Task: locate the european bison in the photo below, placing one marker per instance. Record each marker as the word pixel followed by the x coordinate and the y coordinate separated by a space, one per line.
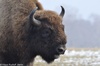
pixel 26 32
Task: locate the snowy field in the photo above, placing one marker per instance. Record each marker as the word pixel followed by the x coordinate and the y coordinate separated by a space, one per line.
pixel 74 57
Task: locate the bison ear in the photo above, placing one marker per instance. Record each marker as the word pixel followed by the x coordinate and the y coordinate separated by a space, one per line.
pixel 32 19
pixel 62 12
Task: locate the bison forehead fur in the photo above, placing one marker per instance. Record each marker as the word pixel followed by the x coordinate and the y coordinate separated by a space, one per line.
pixel 23 38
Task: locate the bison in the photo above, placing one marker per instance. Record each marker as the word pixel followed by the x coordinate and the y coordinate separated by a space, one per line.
pixel 26 31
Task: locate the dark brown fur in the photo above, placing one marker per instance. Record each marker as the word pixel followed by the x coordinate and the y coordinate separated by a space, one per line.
pixel 21 41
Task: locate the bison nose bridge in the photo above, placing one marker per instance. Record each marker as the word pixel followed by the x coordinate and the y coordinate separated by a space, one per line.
pixel 61 49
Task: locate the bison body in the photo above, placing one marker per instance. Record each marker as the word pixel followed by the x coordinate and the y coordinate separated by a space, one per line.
pixel 24 33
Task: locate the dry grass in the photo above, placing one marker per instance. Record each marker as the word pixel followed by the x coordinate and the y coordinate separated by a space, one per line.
pixel 90 57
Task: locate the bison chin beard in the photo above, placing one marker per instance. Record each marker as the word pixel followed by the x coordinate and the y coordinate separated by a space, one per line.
pixel 48 59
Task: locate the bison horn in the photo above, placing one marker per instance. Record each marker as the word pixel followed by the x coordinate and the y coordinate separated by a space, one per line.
pixel 32 19
pixel 62 12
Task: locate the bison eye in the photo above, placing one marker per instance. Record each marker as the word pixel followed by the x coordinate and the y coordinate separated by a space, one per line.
pixel 46 32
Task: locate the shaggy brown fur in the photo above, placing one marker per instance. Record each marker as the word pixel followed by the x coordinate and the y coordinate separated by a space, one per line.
pixel 21 41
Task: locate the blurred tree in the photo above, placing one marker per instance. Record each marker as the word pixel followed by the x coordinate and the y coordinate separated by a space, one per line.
pixel 80 32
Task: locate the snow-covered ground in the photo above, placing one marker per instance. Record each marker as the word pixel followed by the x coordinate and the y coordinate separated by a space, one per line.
pixel 75 58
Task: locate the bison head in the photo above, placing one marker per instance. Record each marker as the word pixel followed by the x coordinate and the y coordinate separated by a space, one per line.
pixel 47 37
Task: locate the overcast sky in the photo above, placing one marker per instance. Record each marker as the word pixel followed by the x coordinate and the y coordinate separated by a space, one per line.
pixel 84 7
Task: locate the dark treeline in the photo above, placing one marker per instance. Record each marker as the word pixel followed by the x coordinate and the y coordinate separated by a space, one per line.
pixel 82 33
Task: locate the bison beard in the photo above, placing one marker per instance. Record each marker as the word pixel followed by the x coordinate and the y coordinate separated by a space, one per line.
pixel 26 32
pixel 49 57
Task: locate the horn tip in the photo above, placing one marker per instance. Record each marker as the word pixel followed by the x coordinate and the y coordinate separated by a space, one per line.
pixel 62 7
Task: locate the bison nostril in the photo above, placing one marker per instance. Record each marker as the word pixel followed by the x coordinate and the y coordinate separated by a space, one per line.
pixel 61 50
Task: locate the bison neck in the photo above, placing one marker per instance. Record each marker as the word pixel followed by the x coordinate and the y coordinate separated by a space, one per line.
pixel 13 31
pixel 20 13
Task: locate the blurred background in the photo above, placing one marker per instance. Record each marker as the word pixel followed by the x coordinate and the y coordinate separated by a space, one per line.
pixel 82 21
